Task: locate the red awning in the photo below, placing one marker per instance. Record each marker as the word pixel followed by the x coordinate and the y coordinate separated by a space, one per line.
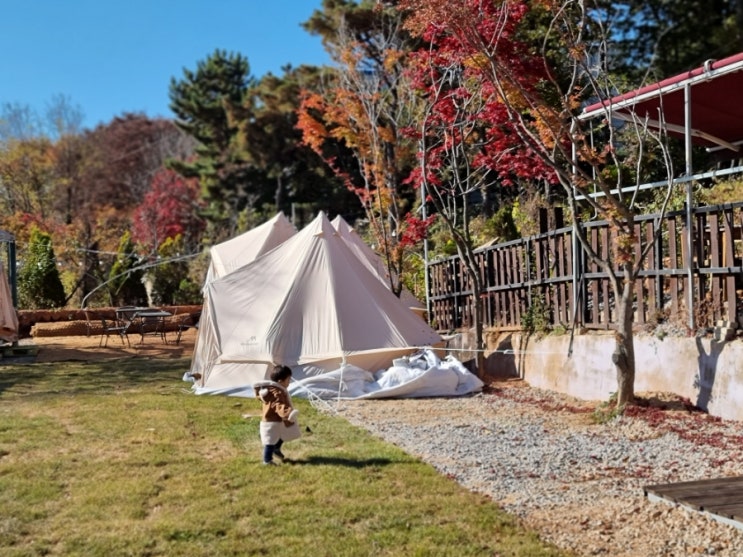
pixel 716 104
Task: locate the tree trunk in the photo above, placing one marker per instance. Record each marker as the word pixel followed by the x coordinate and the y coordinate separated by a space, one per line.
pixel 467 257
pixel 279 194
pixel 624 348
pixel 477 309
pixel 479 344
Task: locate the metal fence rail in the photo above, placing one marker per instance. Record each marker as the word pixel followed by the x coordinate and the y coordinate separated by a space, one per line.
pixel 550 271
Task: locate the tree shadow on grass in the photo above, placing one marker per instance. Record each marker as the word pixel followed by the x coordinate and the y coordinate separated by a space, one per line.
pixel 90 377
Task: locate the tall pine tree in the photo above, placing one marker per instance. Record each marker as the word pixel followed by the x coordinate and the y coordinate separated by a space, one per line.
pixel 210 104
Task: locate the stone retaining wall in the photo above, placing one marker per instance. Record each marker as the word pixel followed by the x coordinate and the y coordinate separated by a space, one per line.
pixel 707 372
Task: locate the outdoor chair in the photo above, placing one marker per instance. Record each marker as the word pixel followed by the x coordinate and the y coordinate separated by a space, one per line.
pixel 151 322
pixel 117 328
pixel 186 322
pixel 106 328
pixel 125 314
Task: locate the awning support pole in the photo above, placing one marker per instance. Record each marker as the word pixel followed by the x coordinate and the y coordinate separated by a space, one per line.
pixel 689 204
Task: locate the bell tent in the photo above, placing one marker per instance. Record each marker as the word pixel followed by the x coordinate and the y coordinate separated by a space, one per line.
pixel 373 261
pixel 242 249
pixel 309 303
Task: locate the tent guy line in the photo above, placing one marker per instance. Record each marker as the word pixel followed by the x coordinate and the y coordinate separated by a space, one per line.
pixel 427 347
pixel 488 351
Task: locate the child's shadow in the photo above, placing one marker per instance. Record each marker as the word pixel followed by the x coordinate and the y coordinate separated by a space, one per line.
pixel 339 461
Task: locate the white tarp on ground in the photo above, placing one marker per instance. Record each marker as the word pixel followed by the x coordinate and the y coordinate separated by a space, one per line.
pixel 8 315
pixel 311 304
pixel 420 375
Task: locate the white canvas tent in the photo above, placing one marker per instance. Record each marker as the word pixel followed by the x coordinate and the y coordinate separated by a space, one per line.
pixel 310 303
pixel 229 256
pixel 373 261
pixel 240 250
pixel 8 315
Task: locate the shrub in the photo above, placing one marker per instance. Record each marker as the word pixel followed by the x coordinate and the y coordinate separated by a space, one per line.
pixel 39 283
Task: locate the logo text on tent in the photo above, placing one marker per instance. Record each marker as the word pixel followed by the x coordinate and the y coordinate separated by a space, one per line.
pixel 252 341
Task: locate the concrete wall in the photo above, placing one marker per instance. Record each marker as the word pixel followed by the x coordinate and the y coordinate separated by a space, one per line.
pixel 707 372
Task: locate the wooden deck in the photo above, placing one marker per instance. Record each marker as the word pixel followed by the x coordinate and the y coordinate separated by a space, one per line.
pixel 721 498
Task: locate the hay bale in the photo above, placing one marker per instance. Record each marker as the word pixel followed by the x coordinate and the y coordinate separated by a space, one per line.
pixel 63 328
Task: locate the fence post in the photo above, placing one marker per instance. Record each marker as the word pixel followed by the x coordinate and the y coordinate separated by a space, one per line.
pixel 578 271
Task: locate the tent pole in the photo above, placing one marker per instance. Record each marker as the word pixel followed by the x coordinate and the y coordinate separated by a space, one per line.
pixel 573 234
pixel 340 381
pixel 13 272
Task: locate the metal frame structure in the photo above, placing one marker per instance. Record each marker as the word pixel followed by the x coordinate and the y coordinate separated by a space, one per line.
pixel 701 106
pixel 9 240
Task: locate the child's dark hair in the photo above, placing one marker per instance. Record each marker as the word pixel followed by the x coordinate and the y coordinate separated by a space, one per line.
pixel 279 373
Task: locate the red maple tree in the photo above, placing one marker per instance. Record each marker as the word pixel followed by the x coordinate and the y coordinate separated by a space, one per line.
pixel 169 209
pixel 468 145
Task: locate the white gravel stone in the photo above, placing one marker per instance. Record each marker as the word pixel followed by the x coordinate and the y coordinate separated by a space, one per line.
pixel 543 457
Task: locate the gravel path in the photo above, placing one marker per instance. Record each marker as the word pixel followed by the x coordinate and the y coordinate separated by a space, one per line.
pixel 544 458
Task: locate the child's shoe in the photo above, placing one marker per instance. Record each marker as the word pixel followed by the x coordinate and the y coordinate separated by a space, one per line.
pixel 269 463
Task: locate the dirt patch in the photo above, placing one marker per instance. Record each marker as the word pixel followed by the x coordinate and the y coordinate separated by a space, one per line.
pixel 88 348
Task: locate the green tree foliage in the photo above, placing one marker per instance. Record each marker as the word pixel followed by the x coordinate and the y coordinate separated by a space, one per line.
pixel 26 174
pixel 210 104
pixel 39 284
pixel 168 276
pixel 125 283
pixel 294 173
pixel 250 158
pixel 661 38
pixel 363 111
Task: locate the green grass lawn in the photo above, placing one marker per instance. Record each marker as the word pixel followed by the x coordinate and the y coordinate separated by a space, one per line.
pixel 119 458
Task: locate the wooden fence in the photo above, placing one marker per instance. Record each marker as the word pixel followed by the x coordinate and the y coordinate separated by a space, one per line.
pixel 550 275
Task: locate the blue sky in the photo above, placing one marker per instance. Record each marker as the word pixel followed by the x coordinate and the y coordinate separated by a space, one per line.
pixel 111 57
